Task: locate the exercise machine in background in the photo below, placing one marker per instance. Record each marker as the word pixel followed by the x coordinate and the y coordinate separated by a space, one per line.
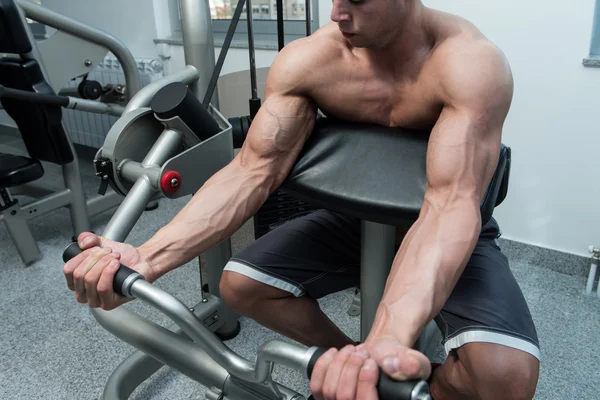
pixel 42 69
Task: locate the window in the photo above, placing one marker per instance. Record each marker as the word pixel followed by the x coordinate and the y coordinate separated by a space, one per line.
pixel 264 20
pixel 594 59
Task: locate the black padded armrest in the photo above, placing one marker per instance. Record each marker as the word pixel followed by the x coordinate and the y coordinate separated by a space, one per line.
pixel 372 172
pixel 17 170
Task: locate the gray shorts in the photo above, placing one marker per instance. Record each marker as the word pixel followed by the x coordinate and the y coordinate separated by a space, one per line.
pixel 319 254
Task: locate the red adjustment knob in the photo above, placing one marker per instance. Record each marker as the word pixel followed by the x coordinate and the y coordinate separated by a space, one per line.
pixel 170 182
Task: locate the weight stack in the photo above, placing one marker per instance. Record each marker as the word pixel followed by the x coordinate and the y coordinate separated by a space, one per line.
pixel 279 208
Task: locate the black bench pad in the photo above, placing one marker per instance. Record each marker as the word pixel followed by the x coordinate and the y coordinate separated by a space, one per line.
pixel 375 173
pixel 17 170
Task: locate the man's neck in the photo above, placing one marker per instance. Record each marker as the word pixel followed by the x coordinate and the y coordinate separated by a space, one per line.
pixel 410 42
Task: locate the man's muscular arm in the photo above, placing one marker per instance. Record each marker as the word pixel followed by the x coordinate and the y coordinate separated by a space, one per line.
pixel 234 194
pixel 476 90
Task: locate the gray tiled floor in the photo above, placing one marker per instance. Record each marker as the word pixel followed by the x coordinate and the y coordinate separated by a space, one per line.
pixel 53 349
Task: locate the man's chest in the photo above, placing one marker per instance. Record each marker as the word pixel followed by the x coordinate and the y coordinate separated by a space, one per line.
pixel 363 97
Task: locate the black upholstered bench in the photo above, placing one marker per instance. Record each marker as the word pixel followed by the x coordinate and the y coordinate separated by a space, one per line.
pixel 378 175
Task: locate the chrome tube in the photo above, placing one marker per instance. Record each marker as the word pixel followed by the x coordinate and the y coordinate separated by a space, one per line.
pixel 198 44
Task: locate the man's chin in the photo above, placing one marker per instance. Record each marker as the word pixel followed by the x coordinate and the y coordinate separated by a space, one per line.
pixel 356 43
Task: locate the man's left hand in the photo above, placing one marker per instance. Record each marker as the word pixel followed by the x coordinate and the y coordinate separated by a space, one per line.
pixel 352 372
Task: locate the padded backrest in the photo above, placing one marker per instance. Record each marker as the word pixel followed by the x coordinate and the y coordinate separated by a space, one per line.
pixel 39 125
pixel 498 187
pixel 13 34
pixel 503 189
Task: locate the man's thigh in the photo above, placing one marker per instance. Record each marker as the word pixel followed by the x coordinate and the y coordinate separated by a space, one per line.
pixel 487 304
pixel 317 254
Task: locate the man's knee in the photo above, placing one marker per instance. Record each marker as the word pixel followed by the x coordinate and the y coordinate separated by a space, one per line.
pixel 516 381
pixel 237 290
pixel 500 372
pixel 245 294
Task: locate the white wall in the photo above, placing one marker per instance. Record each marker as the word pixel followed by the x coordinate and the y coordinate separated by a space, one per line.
pixel 237 59
pixel 132 21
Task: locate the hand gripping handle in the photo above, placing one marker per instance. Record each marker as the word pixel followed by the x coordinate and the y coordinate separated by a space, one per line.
pixel 387 388
pixel 123 278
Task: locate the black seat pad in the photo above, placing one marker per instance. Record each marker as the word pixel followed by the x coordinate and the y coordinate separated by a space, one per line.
pixel 17 170
pixel 375 173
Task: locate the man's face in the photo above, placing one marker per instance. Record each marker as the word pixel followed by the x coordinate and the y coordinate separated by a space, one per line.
pixel 368 23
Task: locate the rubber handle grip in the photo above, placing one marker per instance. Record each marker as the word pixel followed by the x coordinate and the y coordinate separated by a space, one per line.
pixel 387 388
pixel 122 273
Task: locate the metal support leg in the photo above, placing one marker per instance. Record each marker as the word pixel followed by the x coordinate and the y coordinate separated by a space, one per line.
pixel 21 234
pixel 78 206
pixel 216 258
pixel 354 309
pixel 198 44
pixel 33 189
pixel 130 374
pixel 377 255
pixel 378 252
pixel 139 366
pixel 170 348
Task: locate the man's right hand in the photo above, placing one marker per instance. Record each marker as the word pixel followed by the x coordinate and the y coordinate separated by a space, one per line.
pixel 90 274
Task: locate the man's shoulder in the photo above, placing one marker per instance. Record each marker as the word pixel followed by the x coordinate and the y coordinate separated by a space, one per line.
pixel 469 64
pixel 301 62
pixel 467 45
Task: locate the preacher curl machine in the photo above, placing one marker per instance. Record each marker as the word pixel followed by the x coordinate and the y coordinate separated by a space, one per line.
pixel 168 144
pixel 155 150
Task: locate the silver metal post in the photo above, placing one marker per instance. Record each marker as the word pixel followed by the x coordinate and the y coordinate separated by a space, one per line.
pixel 126 216
pixel 308 17
pixel 128 213
pixel 216 258
pixel 198 44
pixel 131 170
pixel 377 255
pixel 97 36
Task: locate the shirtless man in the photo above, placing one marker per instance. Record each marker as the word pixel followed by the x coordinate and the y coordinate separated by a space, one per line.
pixel 395 63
